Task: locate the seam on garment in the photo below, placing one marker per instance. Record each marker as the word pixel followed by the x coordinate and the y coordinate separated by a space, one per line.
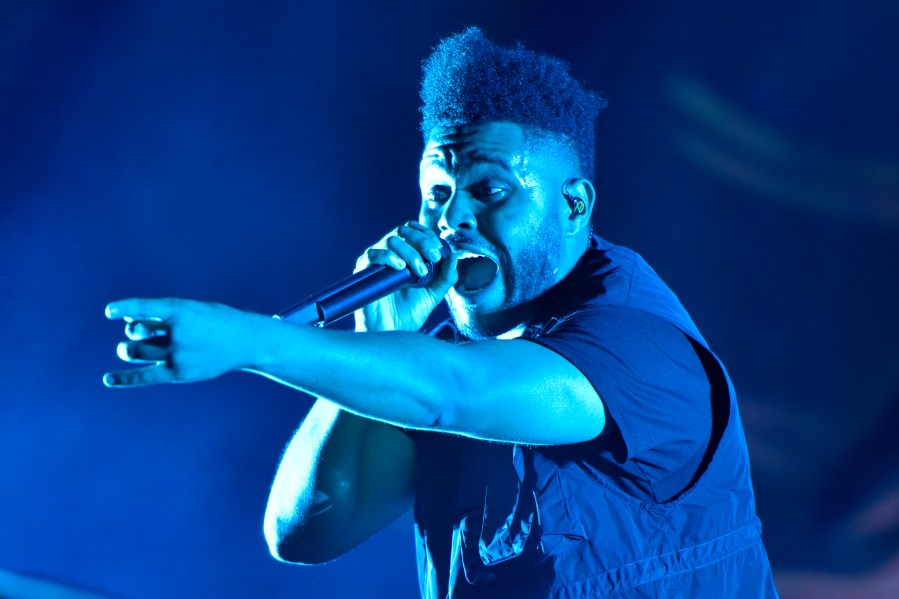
pixel 630 279
pixel 732 543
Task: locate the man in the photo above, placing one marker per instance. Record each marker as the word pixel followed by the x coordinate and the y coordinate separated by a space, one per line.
pixel 568 434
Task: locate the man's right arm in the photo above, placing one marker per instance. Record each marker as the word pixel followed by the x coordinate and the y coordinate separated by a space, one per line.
pixel 342 479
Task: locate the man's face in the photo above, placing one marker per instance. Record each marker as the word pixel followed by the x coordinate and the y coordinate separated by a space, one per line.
pixel 496 198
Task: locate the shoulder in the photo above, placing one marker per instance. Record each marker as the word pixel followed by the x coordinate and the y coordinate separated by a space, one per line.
pixel 611 275
pixel 634 340
pixel 653 384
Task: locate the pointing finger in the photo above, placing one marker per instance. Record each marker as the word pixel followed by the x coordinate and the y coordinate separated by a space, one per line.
pixel 141 309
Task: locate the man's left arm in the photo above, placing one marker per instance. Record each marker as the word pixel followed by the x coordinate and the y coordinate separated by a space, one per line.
pixel 507 390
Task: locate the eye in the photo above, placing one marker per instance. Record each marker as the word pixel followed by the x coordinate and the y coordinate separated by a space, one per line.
pixel 489 192
pixel 438 194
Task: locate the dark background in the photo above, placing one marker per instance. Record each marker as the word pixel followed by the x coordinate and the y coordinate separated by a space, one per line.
pixel 248 152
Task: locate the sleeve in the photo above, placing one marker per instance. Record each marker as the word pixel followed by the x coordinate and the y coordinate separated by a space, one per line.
pixel 652 384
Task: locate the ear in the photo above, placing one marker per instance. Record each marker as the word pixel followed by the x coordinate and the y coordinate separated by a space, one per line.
pixel 580 196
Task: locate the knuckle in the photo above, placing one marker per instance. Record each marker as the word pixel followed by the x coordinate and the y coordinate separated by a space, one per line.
pixel 376 256
pixel 382 242
pixel 145 375
pixel 413 233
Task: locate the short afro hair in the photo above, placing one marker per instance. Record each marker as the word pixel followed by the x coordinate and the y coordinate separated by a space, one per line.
pixel 469 80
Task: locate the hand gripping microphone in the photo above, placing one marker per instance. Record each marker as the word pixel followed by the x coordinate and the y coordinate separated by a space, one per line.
pixel 364 287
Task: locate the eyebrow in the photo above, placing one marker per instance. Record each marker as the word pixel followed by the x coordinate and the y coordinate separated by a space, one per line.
pixel 470 158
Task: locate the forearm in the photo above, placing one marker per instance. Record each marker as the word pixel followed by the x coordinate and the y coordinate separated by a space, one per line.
pixel 314 489
pixel 342 478
pixel 386 376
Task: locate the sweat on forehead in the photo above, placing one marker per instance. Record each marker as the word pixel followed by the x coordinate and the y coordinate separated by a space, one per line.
pixel 470 80
pixel 507 144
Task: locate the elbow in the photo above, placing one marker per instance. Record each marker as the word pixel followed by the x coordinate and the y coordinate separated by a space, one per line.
pixel 284 529
pixel 288 551
pixel 292 547
pixel 295 544
pixel 283 550
pixel 279 540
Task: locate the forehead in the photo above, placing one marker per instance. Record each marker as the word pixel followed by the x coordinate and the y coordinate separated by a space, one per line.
pixel 459 146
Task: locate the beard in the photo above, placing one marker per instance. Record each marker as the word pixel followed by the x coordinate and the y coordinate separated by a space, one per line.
pixel 525 276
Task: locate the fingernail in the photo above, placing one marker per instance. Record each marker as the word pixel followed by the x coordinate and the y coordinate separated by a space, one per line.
pixel 421 268
pixel 435 254
pixel 110 380
pixel 111 311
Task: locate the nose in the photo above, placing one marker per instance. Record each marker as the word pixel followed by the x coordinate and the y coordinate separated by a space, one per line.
pixel 457 215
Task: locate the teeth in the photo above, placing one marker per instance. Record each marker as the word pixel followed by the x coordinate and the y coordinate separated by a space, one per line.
pixel 466 254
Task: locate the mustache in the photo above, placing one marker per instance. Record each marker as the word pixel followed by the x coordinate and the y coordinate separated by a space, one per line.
pixel 460 242
pixel 455 240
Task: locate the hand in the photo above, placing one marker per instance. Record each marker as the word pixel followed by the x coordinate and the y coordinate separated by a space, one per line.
pixel 410 245
pixel 182 340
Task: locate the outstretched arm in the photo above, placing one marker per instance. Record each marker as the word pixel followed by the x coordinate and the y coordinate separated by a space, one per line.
pixel 509 390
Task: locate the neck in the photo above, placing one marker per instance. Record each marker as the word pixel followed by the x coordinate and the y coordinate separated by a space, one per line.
pixel 502 324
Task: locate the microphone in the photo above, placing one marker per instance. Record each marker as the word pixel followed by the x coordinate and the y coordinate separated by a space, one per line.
pixel 364 287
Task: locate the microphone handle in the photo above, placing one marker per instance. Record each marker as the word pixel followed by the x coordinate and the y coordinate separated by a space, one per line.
pixel 308 311
pixel 347 296
pixel 380 281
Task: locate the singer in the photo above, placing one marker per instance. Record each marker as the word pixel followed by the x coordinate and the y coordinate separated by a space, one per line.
pixel 568 433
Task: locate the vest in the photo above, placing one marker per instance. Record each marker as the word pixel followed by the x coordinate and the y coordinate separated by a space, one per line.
pixel 498 520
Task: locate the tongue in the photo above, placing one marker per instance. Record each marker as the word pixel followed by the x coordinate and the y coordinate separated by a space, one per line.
pixel 476 273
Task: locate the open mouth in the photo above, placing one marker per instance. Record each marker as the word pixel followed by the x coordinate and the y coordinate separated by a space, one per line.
pixel 476 272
